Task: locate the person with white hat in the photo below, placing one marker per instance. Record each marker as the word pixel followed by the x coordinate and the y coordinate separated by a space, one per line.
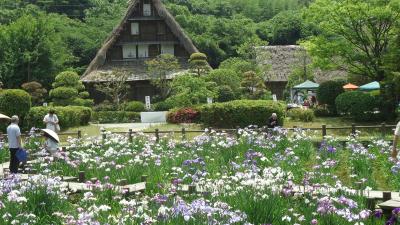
pixel 395 140
pixel 14 143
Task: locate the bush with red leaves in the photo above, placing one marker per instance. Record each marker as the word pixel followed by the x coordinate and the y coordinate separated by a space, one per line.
pixel 184 115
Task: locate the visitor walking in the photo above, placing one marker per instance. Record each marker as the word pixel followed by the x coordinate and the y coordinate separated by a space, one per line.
pixel 14 143
pixel 273 121
pixel 51 121
pixel 395 140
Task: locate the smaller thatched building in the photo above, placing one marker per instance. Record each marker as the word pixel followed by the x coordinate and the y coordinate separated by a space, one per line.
pixel 281 61
pixel 146 31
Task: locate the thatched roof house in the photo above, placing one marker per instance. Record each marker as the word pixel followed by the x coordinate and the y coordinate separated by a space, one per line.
pixel 146 31
pixel 281 61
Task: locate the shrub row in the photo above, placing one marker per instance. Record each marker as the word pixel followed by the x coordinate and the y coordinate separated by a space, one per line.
pixel 184 115
pixel 115 117
pixel 70 116
pixel 241 113
pixel 358 105
pixel 304 115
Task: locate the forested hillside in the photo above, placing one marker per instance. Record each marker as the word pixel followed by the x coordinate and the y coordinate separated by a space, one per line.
pixel 39 38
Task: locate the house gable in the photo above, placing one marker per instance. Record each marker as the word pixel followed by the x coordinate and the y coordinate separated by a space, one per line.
pixel 146 31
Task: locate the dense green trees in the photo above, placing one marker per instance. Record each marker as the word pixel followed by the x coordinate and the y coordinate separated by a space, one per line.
pixel 31 50
pixel 360 37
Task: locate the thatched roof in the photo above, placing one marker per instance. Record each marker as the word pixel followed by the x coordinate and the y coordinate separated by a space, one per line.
pixel 282 60
pixel 176 29
pixel 135 70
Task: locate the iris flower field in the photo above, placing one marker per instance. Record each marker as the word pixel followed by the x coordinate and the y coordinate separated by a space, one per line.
pixel 248 178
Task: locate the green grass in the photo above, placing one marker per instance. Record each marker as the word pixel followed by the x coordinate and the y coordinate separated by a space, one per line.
pixel 94 130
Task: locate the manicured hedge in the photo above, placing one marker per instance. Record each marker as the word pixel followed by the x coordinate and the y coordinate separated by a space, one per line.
pixel 241 113
pixel 358 105
pixel 15 102
pixel 116 117
pixel 134 106
pixel 70 116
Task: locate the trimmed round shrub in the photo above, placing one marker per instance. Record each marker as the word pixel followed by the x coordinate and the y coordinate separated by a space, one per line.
pixel 36 90
pixel 84 94
pixel 71 116
pixel 15 102
pixel 327 93
pixel 241 113
pixel 225 94
pixel 163 106
pixel 64 93
pixel 198 56
pixel 184 115
pixel 68 79
pixel 358 105
pixel 304 115
pixel 134 106
pixel 83 102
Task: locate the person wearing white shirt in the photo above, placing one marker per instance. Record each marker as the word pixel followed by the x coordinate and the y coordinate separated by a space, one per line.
pixel 14 143
pixel 51 121
pixel 395 140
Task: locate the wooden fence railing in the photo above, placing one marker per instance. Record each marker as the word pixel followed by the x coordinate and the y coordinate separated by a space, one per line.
pixel 383 129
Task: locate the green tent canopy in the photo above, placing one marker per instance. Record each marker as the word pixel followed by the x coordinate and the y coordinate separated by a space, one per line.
pixel 371 86
pixel 308 85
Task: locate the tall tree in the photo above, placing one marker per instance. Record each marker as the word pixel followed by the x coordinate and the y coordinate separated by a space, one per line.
pixel 355 34
pixel 31 50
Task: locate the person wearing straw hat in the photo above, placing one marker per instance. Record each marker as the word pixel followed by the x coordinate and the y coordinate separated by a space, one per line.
pixel 52 140
pixel 14 143
pixel 51 121
pixel 395 140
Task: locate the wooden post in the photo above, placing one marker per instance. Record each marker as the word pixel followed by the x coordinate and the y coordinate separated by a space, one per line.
pixel 383 129
pixel 237 132
pixel 371 203
pixel 353 129
pixel 130 136
pixel 183 134
pixel 387 195
pixel 192 189
pixel 323 131
pixel 157 135
pixel 79 134
pixel 143 178
pixel 122 182
pixel 81 177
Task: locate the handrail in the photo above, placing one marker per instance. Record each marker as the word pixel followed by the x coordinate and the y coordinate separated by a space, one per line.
pixel 383 127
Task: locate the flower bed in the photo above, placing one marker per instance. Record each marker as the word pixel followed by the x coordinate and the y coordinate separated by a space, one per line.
pixel 259 178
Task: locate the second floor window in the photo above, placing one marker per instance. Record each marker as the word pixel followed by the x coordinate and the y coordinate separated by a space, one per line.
pixel 135 28
pixel 146 10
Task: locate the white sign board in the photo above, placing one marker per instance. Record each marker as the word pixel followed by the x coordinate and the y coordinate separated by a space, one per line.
pixel 148 102
pixel 45 104
pixel 153 117
pixel 274 98
pixel 209 100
